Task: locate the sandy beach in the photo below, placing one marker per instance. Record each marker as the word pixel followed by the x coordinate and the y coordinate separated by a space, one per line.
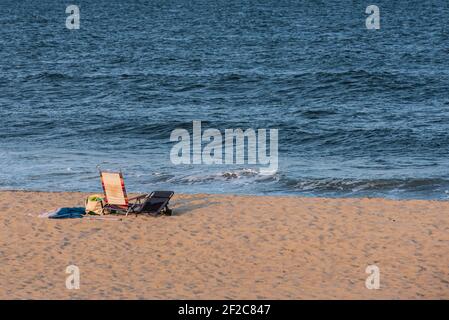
pixel 227 247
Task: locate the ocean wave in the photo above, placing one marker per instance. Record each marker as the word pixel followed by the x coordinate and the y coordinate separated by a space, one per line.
pixel 48 76
pixel 364 186
pixel 244 175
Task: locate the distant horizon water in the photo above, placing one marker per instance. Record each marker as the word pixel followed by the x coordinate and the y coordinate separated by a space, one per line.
pixel 360 113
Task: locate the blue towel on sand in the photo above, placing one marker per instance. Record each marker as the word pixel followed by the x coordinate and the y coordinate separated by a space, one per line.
pixel 65 213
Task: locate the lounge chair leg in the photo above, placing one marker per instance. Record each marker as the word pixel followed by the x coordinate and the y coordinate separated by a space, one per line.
pixel 167 211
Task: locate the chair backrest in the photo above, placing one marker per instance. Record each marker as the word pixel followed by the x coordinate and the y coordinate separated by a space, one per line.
pixel 114 188
pixel 157 201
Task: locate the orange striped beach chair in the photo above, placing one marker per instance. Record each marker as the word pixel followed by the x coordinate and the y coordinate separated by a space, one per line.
pixel 116 199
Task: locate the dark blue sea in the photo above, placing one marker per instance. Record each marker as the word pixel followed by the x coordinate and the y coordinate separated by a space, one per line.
pixel 359 112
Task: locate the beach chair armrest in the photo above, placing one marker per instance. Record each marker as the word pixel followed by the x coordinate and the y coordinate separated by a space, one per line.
pixel 139 197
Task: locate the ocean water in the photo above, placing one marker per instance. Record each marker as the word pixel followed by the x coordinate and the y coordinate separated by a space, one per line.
pixel 359 112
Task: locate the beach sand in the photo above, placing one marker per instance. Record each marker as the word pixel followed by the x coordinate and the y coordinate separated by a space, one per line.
pixel 227 247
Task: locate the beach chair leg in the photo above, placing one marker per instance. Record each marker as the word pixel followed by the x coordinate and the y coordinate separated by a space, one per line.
pixel 167 211
pixel 131 210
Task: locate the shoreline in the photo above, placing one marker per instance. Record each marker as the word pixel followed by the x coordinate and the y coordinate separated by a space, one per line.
pixel 243 195
pixel 221 246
